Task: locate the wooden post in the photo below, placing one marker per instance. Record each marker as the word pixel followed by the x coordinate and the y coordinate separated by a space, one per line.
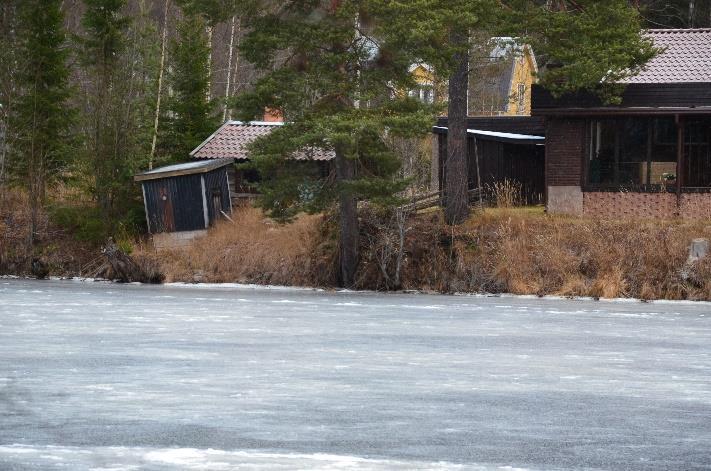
pixel 478 173
pixel 679 161
pixel 650 138
pixel 205 212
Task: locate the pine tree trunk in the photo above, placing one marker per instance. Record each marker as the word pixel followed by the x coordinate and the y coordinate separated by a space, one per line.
pixel 160 85
pixel 348 221
pixel 456 181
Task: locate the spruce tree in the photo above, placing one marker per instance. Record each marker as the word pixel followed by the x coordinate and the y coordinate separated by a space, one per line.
pixel 104 43
pixel 9 62
pixel 41 116
pixel 331 69
pixel 120 57
pixel 191 115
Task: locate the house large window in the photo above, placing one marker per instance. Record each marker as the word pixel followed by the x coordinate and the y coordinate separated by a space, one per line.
pixel 697 152
pixel 521 98
pixel 631 151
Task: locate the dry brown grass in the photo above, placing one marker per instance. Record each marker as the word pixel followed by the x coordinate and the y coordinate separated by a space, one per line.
pixel 506 193
pixel 253 249
pixel 528 252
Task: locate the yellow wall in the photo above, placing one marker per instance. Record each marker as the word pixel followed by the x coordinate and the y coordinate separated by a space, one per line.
pixel 426 78
pixel 423 76
pixel 524 72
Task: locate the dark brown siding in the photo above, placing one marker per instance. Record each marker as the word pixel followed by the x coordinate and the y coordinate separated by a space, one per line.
pixel 534 126
pixel 564 151
pixel 669 95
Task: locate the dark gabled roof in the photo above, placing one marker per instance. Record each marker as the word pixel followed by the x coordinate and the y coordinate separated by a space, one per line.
pixel 230 141
pixel 685 57
pixel 507 137
pixel 188 168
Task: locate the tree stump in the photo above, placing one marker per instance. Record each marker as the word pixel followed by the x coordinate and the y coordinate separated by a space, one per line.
pixel 123 268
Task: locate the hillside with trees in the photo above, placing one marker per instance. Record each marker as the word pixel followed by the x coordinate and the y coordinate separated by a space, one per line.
pixel 94 91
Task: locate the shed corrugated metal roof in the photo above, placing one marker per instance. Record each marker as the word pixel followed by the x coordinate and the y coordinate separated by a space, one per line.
pixel 686 57
pixel 230 141
pixel 188 168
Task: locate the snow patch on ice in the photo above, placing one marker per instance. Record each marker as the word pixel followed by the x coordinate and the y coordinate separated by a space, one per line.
pixel 129 459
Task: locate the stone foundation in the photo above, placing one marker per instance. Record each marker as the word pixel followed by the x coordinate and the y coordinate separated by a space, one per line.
pixel 174 240
pixel 565 200
pixel 631 205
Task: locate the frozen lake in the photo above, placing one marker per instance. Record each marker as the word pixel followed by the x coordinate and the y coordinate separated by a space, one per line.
pixel 97 376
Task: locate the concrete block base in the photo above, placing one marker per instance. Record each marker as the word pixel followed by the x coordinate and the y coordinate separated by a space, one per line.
pixel 175 240
pixel 565 200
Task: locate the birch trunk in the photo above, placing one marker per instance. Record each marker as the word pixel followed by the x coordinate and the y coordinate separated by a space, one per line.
pixel 229 70
pixel 208 29
pixel 160 85
pixel 235 72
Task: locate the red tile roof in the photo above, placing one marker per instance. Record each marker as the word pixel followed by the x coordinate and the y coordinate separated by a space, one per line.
pixel 231 140
pixel 686 57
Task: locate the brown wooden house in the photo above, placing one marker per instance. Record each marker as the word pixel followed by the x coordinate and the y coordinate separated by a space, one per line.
pixel 648 156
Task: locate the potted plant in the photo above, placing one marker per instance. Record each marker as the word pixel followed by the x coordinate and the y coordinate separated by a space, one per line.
pixel 669 180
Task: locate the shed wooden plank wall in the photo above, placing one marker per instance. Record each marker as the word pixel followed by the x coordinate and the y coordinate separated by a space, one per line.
pixel 216 182
pixel 182 208
pixel 499 161
pixel 175 204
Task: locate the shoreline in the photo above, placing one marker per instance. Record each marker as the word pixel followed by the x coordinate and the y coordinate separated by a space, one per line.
pixel 253 286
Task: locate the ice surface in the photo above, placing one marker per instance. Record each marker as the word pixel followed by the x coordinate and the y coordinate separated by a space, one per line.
pixel 121 377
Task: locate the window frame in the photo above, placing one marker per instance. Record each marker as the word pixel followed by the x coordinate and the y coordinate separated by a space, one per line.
pixel 647 186
pixel 521 102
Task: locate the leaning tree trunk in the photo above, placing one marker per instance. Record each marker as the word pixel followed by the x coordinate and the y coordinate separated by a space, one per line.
pixel 208 93
pixel 456 176
pixel 348 222
pixel 230 54
pixel 156 117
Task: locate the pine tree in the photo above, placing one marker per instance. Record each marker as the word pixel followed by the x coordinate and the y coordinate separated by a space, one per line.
pixel 41 117
pixel 340 89
pixel 191 116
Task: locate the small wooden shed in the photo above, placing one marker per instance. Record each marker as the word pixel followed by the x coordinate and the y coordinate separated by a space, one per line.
pixel 186 197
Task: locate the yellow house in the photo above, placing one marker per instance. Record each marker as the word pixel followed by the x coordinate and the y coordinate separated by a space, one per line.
pixel 425 83
pixel 500 79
